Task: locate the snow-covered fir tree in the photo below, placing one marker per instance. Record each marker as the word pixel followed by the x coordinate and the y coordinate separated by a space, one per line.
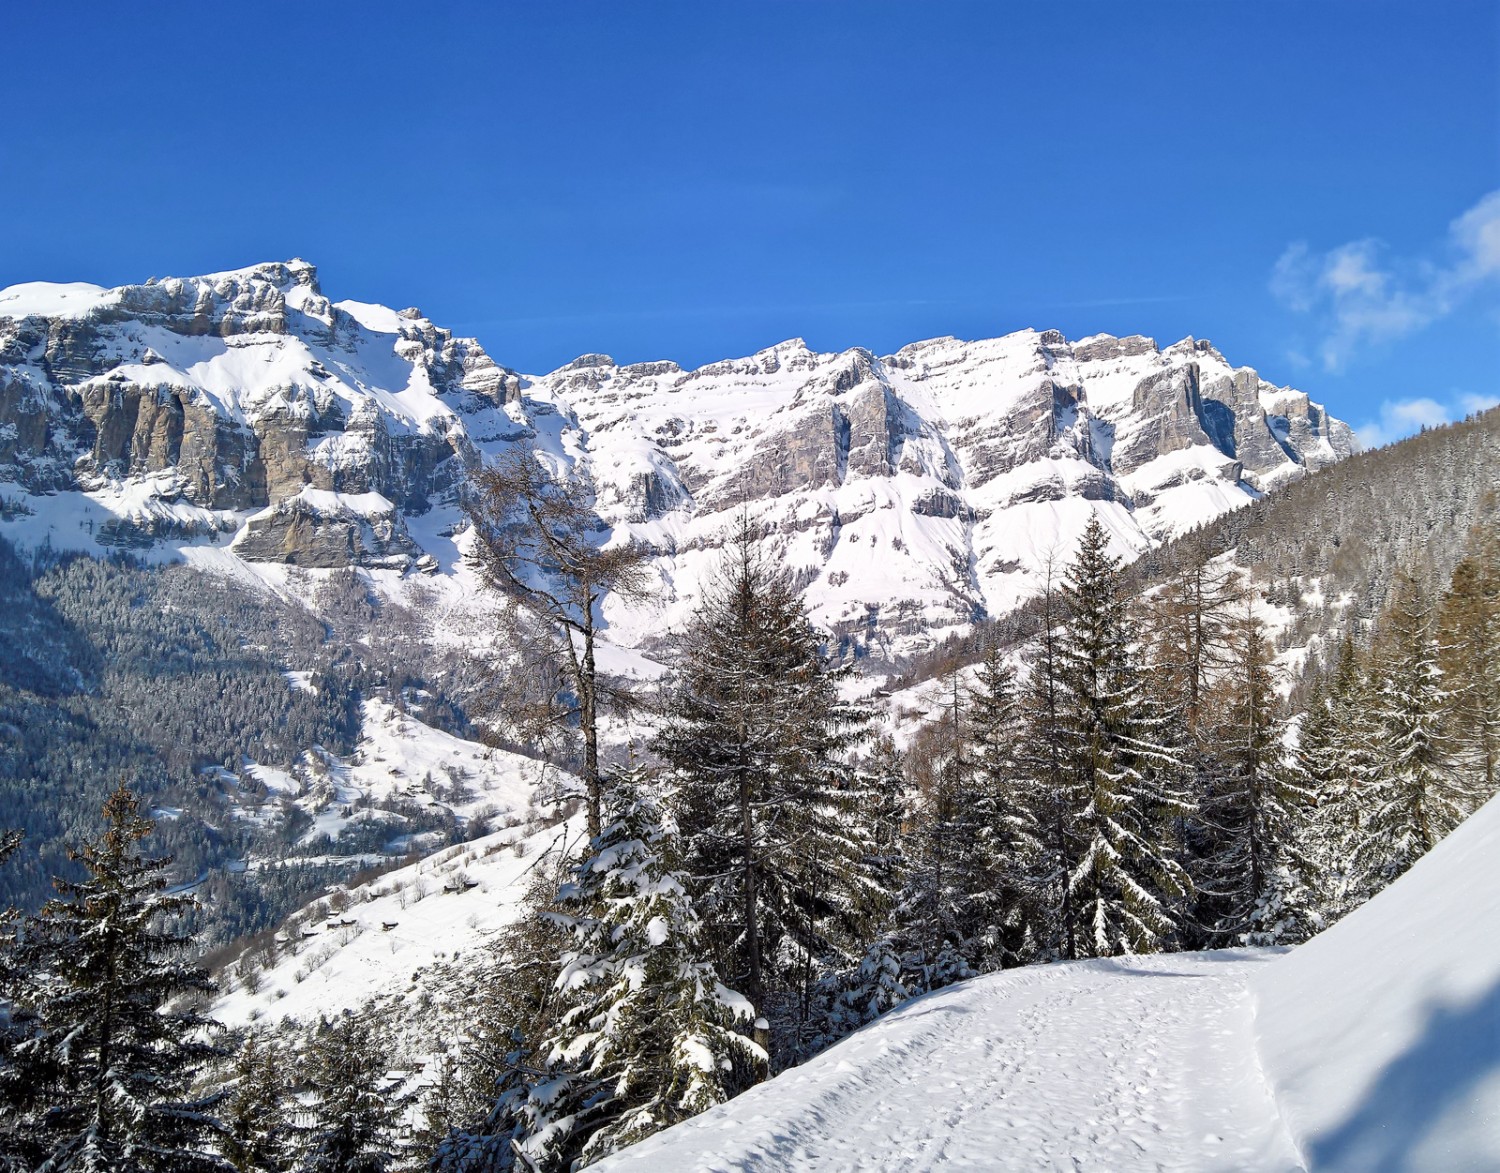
pixel 111 1054
pixel 351 1103
pixel 1009 838
pixel 1121 780
pixel 946 897
pixel 759 741
pixel 646 1033
pixel 1413 796
pixel 255 1114
pixel 503 1056
pixel 1044 796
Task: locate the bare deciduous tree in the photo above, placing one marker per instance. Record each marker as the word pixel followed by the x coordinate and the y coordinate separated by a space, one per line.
pixel 538 541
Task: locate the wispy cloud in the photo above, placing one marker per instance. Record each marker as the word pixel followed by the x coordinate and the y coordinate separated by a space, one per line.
pixel 1358 295
pixel 1402 417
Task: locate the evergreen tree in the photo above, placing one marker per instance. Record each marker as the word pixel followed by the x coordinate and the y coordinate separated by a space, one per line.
pixel 1044 795
pixel 1469 635
pixel 946 899
pixel 111 1066
pixel 1009 840
pixel 759 741
pixel 1336 760
pixel 1414 796
pixel 506 1055
pixel 646 1033
pixel 353 1105
pixel 1121 779
pixel 1253 884
pixel 255 1116
pixel 19 1081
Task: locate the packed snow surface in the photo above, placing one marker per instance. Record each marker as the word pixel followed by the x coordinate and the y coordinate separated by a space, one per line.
pixel 1136 1063
pixel 1374 1048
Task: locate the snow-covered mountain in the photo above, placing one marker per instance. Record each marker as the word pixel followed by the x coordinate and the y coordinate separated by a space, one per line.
pixel 911 493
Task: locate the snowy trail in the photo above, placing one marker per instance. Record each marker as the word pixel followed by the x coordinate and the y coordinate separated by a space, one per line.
pixel 1130 1064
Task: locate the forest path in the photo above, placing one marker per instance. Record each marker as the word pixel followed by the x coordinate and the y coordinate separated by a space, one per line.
pixel 1142 1063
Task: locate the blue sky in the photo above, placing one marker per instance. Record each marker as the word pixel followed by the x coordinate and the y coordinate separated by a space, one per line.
pixel 1303 183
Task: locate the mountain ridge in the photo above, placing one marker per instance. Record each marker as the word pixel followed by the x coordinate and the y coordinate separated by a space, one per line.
pixel 909 494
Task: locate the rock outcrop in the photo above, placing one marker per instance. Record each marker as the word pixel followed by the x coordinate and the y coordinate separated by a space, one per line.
pixel 907 494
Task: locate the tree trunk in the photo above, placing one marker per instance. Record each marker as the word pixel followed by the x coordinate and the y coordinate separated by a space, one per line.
pixel 588 718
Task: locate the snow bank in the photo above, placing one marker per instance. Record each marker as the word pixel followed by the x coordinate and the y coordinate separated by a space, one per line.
pixel 1381 1036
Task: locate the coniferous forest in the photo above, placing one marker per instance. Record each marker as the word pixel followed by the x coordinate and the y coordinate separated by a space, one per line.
pixel 1137 769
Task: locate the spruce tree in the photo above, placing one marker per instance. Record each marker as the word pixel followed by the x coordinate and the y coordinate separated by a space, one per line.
pixel 1415 796
pixel 1044 795
pixel 352 1104
pixel 1336 761
pixel 1010 842
pixel 255 1112
pixel 947 894
pixel 1122 788
pixel 505 1056
pixel 113 1063
pixel 646 1035
pixel 759 742
pixel 19 1079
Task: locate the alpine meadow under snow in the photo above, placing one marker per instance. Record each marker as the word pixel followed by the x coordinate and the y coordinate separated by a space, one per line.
pixel 1008 753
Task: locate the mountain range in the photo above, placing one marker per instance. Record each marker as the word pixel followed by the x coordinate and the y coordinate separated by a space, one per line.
pixel 909 494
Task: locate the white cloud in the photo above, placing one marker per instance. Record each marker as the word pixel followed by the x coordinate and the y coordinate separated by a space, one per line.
pixel 1403 417
pixel 1358 297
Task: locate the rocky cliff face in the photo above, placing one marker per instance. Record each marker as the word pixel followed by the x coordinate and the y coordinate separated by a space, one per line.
pixel 909 494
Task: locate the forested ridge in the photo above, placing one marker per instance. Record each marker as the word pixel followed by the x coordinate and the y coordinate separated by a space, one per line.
pixel 173 679
pixel 1140 767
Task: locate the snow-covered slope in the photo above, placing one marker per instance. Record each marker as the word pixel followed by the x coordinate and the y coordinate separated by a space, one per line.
pixel 1375 1047
pixel 394 936
pixel 1382 1035
pixel 910 494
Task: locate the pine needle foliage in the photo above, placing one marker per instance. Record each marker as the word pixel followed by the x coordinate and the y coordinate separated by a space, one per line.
pixel 112 1053
pixel 759 741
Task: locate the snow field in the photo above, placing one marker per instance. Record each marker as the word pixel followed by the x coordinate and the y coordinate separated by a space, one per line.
pixel 378 940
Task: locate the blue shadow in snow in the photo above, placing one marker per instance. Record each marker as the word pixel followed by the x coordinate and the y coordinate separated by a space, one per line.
pixel 1457 1049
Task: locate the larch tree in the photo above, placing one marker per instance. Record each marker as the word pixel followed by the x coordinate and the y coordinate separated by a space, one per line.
pixel 537 539
pixel 1469 638
pixel 1186 632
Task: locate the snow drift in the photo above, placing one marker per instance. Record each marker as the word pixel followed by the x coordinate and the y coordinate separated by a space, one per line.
pixel 1381 1036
